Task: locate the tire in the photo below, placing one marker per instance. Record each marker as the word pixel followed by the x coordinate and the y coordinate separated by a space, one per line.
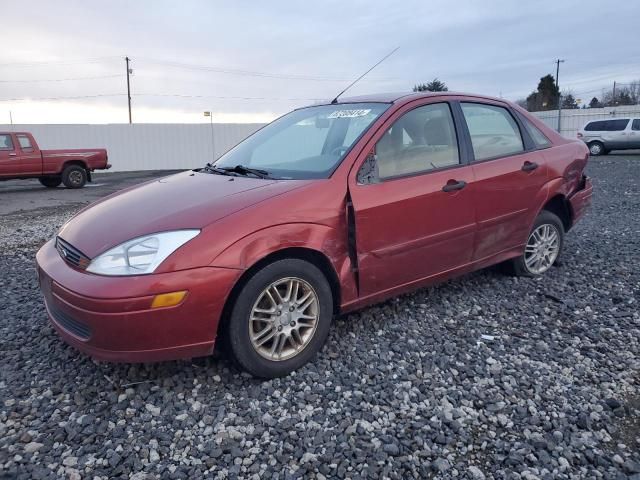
pixel 74 176
pixel 526 265
pixel 259 356
pixel 606 152
pixel 596 148
pixel 50 182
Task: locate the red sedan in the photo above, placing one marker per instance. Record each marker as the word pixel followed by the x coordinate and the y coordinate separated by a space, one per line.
pixel 327 209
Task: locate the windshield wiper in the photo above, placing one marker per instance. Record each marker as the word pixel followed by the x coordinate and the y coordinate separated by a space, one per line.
pixel 209 167
pixel 242 170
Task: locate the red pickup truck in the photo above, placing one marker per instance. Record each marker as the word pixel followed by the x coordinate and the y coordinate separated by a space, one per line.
pixel 20 157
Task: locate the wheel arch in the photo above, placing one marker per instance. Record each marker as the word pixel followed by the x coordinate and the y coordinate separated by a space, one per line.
pixel 310 255
pixel 560 206
pixel 79 162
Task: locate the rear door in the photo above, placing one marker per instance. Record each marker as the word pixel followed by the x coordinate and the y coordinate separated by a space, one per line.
pixel 29 155
pixel 9 164
pixel 617 134
pixel 413 208
pixel 509 171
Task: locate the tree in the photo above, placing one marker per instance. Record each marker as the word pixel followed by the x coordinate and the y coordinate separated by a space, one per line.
pixel 545 97
pixel 434 85
pixel 522 102
pixel 569 102
pixel 595 103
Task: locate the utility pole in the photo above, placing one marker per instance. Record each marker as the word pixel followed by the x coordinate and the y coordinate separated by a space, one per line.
pixel 613 100
pixel 558 62
pixel 128 87
pixel 10 118
pixel 213 149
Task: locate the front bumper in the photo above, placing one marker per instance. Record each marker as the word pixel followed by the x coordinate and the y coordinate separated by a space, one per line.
pixel 110 318
pixel 581 200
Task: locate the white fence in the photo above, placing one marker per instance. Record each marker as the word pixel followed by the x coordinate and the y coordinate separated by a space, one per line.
pixel 181 146
pixel 574 120
pixel 144 146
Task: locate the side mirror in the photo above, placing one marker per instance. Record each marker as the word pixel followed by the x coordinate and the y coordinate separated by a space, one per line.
pixel 368 172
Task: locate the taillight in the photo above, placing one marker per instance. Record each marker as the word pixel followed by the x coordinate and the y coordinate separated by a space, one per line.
pixel 579 135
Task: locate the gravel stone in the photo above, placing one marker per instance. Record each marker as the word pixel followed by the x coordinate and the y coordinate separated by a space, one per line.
pixel 486 376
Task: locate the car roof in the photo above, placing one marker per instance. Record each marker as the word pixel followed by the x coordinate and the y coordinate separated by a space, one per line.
pixel 397 97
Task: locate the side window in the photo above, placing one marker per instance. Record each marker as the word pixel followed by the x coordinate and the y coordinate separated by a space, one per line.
pixel 494 132
pixel 536 134
pixel 617 125
pixel 5 142
pixel 25 142
pixel 422 139
pixel 598 126
pixel 636 124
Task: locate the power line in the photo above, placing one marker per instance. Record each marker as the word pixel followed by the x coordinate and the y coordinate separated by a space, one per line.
pixel 60 79
pixel 76 97
pixel 59 62
pixel 250 73
pixel 177 95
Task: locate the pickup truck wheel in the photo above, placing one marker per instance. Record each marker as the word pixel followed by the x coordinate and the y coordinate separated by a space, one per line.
pixel 74 176
pixel 280 318
pixel 543 246
pixel 50 182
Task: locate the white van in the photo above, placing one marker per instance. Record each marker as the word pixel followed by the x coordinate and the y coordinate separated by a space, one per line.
pixel 602 136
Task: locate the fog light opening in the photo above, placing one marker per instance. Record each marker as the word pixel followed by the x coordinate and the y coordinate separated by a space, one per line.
pixel 168 299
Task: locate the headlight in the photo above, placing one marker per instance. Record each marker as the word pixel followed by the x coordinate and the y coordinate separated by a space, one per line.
pixel 140 256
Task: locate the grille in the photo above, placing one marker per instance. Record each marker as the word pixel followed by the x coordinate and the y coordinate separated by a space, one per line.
pixel 70 324
pixel 72 255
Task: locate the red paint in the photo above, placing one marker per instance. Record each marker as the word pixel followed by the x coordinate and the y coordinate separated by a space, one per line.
pixel 408 234
pixel 17 162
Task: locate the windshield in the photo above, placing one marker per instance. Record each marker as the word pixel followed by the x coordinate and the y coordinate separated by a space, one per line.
pixel 306 143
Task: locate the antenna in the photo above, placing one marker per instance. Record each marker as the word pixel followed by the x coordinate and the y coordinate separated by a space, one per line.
pixel 335 100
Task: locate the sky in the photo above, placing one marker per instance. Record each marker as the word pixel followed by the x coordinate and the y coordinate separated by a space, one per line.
pixel 253 61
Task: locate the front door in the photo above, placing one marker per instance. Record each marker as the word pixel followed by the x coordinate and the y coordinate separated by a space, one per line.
pixel 30 158
pixel 507 178
pixel 412 201
pixel 9 161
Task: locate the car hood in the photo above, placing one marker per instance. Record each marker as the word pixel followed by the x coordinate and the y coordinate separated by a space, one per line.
pixel 181 201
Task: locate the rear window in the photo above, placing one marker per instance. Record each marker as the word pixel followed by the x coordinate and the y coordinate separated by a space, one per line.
pixel 24 142
pixel 536 134
pixel 607 125
pixel 5 142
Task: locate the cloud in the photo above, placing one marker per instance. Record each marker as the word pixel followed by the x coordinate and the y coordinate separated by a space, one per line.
pixel 489 47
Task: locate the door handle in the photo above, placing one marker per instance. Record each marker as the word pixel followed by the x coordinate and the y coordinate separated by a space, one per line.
pixel 529 166
pixel 453 185
pixel 12 154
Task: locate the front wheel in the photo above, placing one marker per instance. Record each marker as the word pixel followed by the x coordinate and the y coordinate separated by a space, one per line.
pixel 280 319
pixel 543 246
pixel 50 182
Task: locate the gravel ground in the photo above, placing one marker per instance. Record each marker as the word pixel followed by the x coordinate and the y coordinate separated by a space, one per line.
pixel 405 389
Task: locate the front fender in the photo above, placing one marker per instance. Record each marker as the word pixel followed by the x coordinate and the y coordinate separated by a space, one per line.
pixel 328 241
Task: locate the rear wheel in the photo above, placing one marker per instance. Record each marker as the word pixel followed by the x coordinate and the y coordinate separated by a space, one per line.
pixel 280 319
pixel 596 148
pixel 50 182
pixel 74 176
pixel 543 246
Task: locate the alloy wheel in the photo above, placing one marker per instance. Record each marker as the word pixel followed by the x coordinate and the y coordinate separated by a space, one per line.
pixel 542 249
pixel 284 319
pixel 595 149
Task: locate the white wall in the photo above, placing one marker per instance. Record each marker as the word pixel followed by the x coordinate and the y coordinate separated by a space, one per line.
pixel 574 120
pixel 143 146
